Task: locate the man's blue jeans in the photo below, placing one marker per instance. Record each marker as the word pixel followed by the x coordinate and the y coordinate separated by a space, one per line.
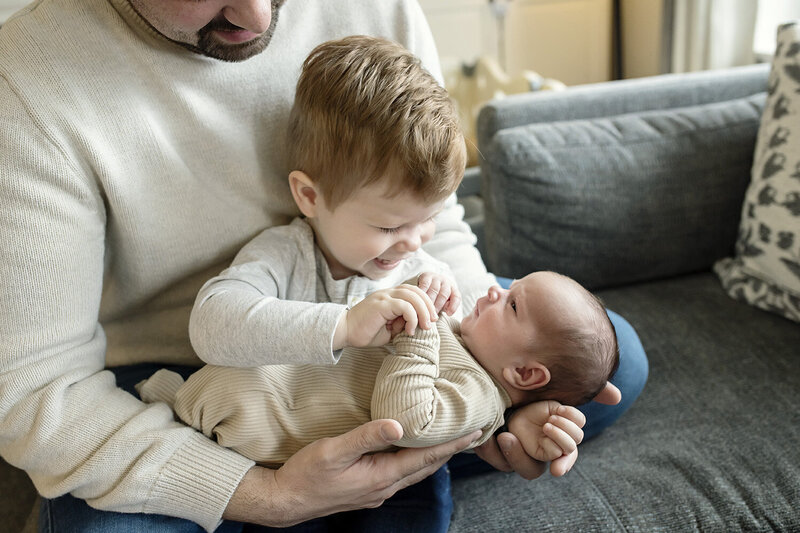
pixel 424 507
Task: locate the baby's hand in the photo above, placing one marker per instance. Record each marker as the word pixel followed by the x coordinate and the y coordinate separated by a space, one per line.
pixel 442 291
pixel 547 429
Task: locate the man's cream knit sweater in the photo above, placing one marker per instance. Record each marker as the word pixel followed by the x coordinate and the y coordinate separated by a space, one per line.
pixel 131 171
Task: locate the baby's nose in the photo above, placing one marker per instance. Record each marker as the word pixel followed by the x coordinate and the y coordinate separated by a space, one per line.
pixel 494 293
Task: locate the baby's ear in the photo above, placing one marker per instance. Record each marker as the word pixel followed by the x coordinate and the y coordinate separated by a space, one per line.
pixel 304 192
pixel 532 375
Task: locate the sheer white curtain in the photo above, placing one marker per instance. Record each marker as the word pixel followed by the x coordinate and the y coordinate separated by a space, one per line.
pixel 708 34
pixel 772 13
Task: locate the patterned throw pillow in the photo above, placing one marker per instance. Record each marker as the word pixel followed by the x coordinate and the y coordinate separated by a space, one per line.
pixel 766 269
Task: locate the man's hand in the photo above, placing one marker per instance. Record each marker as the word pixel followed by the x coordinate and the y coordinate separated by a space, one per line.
pixel 442 291
pixel 369 323
pixel 337 474
pixel 507 453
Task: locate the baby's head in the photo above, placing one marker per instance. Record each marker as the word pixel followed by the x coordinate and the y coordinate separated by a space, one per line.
pixel 375 147
pixel 545 338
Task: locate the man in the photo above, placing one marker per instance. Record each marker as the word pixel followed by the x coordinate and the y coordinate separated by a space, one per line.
pixel 141 147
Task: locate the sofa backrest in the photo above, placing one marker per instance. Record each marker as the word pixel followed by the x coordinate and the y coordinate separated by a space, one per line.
pixel 619 182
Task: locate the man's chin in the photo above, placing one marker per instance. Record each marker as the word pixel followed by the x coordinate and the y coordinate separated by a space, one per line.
pixel 216 49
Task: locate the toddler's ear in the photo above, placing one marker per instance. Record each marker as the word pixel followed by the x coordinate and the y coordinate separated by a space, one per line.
pixel 304 192
pixel 529 377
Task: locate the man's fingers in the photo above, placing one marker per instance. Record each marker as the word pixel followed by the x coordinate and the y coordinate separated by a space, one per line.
pixel 415 464
pixel 367 438
pixel 610 395
pixel 490 452
pixel 520 462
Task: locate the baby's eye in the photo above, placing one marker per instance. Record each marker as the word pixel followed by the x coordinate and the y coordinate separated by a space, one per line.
pixel 389 230
pixel 514 306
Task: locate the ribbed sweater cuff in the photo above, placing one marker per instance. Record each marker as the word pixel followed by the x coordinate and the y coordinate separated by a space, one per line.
pixel 197 482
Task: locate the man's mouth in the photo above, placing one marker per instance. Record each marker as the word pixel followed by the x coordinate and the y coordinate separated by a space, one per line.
pixel 236 36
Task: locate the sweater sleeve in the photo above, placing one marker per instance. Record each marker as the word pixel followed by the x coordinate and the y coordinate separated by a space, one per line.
pixel 250 315
pixel 62 418
pixel 433 406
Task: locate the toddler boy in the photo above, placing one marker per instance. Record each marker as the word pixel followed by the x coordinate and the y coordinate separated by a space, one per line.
pixel 375 149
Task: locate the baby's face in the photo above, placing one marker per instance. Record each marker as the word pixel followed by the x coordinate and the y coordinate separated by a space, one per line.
pixel 371 234
pixel 506 326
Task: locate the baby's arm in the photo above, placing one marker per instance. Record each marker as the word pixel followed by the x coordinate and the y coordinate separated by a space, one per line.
pixel 434 406
pixel 547 429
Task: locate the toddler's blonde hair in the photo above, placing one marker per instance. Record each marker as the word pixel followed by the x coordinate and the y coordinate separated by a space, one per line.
pixel 366 109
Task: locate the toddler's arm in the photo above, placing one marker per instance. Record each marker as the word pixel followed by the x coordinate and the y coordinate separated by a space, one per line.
pixel 263 308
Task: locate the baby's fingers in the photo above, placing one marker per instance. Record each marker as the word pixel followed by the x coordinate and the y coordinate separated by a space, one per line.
pixel 549 450
pixel 571 413
pixel 453 303
pixel 424 281
pixel 444 295
pixel 565 434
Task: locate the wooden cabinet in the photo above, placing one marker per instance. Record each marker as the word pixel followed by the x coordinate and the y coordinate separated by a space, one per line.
pixel 569 40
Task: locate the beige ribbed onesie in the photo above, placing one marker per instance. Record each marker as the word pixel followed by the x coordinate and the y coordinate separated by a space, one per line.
pixel 429 383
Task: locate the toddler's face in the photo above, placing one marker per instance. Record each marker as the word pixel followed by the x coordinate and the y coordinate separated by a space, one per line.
pixel 506 326
pixel 371 234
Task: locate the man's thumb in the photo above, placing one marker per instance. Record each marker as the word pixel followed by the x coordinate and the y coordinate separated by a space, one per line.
pixel 371 437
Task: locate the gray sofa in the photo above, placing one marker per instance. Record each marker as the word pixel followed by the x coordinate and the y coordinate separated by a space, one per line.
pixel 635 188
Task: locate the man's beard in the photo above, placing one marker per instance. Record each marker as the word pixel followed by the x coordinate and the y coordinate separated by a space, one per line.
pixel 209 45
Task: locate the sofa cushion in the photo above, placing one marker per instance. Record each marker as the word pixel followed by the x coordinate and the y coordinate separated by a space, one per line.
pixel 766 269
pixel 616 200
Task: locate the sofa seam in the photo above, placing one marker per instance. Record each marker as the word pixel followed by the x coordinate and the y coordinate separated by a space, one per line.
pixel 634 142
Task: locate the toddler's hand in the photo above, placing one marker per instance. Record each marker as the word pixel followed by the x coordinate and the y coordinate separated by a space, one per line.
pixel 369 323
pixel 547 429
pixel 442 291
